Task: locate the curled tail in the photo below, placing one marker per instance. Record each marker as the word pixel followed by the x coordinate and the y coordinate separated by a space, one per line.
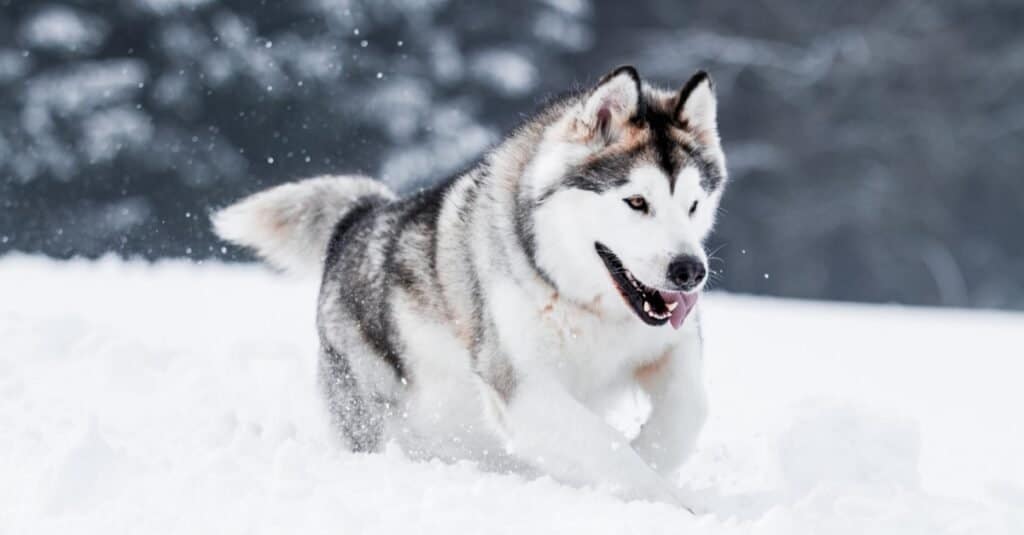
pixel 290 225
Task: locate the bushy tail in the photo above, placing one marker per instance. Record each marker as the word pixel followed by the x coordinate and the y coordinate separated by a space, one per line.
pixel 290 225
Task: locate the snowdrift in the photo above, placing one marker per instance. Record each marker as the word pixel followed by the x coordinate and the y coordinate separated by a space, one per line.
pixel 180 398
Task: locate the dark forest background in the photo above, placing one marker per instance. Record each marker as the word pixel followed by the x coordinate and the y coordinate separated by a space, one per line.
pixel 875 147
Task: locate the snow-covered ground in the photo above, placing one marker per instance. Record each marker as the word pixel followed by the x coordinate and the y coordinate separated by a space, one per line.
pixel 138 398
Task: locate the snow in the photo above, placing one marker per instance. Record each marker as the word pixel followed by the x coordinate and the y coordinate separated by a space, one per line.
pixel 170 6
pixel 107 132
pixel 510 73
pixel 175 397
pixel 563 30
pixel 61 28
pixel 455 138
pixel 13 64
pixel 85 87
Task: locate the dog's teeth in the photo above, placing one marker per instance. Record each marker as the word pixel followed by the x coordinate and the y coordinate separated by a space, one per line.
pixel 647 307
pixel 672 306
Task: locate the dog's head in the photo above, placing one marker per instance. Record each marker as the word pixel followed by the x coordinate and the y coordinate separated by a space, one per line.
pixel 625 183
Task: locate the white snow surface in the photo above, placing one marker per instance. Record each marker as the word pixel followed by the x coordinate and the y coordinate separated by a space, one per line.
pixel 181 398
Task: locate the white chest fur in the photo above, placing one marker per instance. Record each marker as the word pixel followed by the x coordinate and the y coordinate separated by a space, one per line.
pixel 588 349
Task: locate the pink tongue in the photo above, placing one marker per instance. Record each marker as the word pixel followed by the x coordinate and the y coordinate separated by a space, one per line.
pixel 686 302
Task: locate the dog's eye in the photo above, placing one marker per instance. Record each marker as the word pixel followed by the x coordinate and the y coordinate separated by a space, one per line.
pixel 637 203
pixel 693 207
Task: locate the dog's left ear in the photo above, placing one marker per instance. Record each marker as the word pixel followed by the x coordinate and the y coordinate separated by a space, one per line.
pixel 611 104
pixel 696 105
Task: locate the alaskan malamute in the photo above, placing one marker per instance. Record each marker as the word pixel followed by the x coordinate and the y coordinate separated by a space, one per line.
pixel 492 316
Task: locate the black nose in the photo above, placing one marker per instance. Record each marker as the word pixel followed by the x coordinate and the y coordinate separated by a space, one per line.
pixel 686 272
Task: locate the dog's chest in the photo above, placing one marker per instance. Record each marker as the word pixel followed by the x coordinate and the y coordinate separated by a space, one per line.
pixel 586 347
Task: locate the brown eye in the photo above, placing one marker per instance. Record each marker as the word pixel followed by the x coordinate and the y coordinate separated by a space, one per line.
pixel 693 207
pixel 637 203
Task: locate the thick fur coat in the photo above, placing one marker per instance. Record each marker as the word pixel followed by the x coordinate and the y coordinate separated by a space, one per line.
pixel 492 316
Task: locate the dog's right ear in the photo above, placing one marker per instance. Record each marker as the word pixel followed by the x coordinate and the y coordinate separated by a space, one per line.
pixel 611 104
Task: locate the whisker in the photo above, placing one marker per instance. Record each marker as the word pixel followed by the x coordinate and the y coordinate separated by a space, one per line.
pixel 719 248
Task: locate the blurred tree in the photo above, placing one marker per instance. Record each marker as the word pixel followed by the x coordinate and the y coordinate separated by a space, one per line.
pixel 874 146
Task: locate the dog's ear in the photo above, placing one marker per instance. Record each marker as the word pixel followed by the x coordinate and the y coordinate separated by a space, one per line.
pixel 611 104
pixel 696 105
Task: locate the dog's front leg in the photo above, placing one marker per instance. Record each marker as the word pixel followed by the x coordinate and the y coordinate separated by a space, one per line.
pixel 675 385
pixel 545 426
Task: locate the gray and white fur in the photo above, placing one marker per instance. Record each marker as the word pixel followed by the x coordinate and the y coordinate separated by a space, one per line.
pixel 492 316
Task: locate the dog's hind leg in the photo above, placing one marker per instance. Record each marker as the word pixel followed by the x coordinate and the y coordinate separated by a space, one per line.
pixel 358 413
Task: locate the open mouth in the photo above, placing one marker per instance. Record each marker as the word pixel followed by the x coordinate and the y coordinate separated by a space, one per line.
pixel 653 306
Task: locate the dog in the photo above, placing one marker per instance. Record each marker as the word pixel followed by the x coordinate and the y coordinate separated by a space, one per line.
pixel 491 316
